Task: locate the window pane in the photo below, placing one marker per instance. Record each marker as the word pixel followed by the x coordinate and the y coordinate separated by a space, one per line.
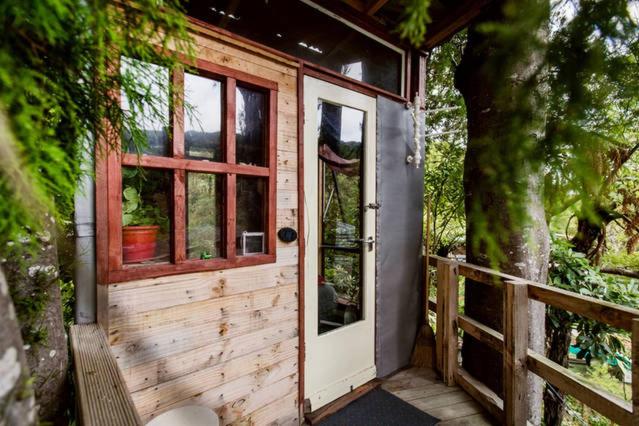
pixel 341 144
pixel 250 119
pixel 146 223
pixel 150 111
pixel 251 215
pixel 305 32
pixel 340 290
pixel 202 117
pixel 204 223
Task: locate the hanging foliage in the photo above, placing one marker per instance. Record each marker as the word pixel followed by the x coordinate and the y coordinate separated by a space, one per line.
pixel 57 81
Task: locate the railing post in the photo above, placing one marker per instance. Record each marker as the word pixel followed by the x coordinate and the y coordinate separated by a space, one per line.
pixel 515 353
pixel 635 372
pixel 446 336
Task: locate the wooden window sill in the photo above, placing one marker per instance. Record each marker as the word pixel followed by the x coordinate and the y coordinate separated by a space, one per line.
pixel 138 272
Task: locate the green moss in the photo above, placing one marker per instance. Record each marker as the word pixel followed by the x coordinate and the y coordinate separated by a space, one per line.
pixel 67 293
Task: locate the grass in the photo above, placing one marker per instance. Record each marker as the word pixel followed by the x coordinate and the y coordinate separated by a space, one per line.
pixel 621 260
pixel 579 414
pixel 598 376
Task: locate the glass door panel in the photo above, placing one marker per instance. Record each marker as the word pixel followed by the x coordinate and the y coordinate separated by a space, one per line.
pixel 340 152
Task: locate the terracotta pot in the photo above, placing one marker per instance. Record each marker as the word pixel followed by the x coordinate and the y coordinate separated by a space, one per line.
pixel 139 243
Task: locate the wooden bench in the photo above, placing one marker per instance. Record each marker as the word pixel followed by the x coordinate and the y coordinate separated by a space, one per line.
pixel 102 395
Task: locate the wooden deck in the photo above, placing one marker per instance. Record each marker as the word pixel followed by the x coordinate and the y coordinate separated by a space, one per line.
pixel 450 404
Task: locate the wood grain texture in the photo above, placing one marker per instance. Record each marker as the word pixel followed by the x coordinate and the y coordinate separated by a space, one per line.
pixel 479 331
pixel 515 353
pixel 161 370
pixel 595 309
pixel 103 399
pixel 450 324
pixel 421 388
pixel 154 162
pixel 271 203
pixel 446 339
pixel 599 310
pixel 518 359
pixel 178 254
pixel 568 382
pixel 226 339
pixel 488 399
pixel 375 6
pixel 635 371
pixel 301 235
pixel 317 416
pixel 275 413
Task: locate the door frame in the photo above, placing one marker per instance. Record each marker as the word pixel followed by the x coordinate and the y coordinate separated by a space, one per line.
pixel 360 99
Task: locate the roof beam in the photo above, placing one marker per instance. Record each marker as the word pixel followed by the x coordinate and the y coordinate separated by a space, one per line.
pixel 374 6
pixel 347 9
pixel 456 19
pixel 359 5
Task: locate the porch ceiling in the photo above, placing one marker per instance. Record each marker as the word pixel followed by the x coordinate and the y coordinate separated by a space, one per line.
pixel 448 16
pixel 381 17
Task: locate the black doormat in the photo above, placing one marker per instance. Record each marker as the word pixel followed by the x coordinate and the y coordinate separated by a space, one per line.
pixel 379 408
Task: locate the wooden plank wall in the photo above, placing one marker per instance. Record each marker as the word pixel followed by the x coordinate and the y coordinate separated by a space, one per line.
pixel 226 339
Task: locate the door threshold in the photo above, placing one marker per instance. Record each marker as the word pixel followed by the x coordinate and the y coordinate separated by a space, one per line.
pixel 331 408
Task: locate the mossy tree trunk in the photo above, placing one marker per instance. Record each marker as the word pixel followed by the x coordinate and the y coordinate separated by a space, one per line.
pixel 17 403
pixel 35 290
pixel 522 247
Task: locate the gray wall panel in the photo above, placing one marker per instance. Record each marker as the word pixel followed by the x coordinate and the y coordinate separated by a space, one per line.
pixel 400 190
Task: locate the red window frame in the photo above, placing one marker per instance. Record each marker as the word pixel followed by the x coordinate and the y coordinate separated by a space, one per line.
pixel 110 160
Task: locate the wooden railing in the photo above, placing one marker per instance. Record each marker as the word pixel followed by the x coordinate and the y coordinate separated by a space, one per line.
pixel 518 359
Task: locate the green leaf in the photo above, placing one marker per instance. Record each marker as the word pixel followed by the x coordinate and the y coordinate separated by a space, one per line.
pixel 130 194
pixel 130 206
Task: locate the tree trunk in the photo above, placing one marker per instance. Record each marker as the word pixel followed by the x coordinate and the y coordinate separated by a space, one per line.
pixel 35 291
pixel 591 233
pixel 558 348
pixel 523 246
pixel 17 404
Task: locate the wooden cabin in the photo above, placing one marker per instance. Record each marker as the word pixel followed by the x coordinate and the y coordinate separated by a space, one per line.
pixel 277 265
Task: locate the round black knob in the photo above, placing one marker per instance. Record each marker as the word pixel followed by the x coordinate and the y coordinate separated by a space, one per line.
pixel 287 235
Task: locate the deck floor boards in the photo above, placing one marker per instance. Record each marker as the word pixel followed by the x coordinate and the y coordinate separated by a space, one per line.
pixel 421 388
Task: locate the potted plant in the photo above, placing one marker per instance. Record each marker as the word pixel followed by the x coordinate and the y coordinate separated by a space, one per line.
pixel 140 226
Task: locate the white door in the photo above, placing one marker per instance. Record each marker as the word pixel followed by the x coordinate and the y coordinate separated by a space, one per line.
pixel 339 184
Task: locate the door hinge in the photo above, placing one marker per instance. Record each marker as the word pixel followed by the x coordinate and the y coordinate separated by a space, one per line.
pixel 372 206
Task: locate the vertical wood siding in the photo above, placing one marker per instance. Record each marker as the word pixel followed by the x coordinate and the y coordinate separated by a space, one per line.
pixel 225 339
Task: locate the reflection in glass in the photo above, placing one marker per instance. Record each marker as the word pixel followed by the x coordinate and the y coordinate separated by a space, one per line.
pixel 353 70
pixel 303 31
pixel 146 224
pixel 340 143
pixel 204 224
pixel 151 116
pixel 250 118
pixel 202 117
pixel 251 215
pixel 339 297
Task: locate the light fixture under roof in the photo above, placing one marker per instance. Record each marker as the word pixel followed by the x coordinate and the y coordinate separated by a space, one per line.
pixel 310 47
pixel 223 13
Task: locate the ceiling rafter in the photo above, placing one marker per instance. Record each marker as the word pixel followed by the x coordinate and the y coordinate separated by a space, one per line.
pixel 374 6
pixel 456 19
